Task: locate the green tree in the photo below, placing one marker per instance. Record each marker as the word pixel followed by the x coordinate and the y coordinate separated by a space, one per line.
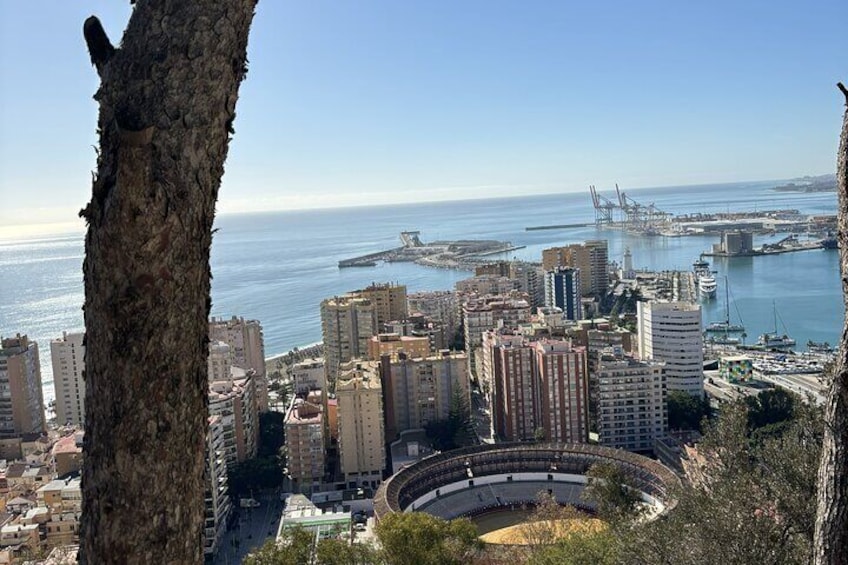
pixel 166 101
pixel 600 547
pixel 340 552
pixel 754 503
pixel 417 538
pixel 687 412
pixel 770 407
pixel 457 429
pixel 294 549
pixel 610 490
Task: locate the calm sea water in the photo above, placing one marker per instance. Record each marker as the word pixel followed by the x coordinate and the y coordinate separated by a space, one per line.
pixel 277 267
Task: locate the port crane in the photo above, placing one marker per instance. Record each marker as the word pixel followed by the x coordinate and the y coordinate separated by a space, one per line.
pixel 639 215
pixel 634 216
pixel 604 207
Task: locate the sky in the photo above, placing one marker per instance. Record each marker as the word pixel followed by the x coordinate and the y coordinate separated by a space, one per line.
pixel 369 102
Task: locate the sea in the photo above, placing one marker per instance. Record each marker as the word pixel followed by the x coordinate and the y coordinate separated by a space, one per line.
pixel 276 267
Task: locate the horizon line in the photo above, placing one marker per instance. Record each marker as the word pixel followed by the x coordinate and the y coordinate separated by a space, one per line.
pixel 11 233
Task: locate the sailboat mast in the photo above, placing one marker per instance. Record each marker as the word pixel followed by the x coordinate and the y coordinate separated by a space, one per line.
pixel 774 310
pixel 726 302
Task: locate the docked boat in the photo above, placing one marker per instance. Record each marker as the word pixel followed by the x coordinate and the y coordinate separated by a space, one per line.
pixel 707 286
pixel 723 340
pixel 774 340
pixel 771 340
pixel 704 279
pixel 724 326
pixel 817 347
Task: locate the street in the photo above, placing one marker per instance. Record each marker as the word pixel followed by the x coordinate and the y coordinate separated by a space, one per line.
pixel 254 527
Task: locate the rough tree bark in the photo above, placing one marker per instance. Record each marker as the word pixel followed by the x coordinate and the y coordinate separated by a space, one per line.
pixel 831 535
pixel 167 102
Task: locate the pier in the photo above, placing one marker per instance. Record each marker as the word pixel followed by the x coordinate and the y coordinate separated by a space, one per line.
pixel 558 227
pixel 460 254
pixel 774 249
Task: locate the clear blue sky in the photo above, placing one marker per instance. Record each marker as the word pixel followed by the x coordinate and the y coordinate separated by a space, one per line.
pixel 368 101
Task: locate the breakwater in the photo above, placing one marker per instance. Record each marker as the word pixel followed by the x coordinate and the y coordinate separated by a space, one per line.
pixel 461 254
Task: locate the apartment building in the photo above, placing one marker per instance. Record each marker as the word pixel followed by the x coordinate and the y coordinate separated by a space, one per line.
pixel 420 390
pixel 308 375
pixel 485 313
pixel 486 284
pixel 631 401
pixel 232 397
pixel 392 344
pixel 347 324
pixel 247 348
pixel 562 290
pixel 305 441
pixel 671 332
pixel 217 504
pixel 562 375
pixel 539 388
pixel 389 301
pixel 21 400
pixel 441 306
pixel 362 451
pixel 591 257
pixel 68 359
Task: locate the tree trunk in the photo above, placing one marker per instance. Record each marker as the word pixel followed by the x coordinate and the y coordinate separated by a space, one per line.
pixel 167 102
pixel 831 535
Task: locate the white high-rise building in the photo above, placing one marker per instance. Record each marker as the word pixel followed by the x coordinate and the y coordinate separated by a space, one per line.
pixel 671 332
pixel 68 359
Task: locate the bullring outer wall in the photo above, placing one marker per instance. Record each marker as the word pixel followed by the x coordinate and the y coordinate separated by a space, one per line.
pixel 401 490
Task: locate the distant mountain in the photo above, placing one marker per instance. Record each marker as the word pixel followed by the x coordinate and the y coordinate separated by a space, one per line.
pixel 822 183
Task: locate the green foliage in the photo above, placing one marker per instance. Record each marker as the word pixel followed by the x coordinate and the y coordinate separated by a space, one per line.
pixel 609 489
pixel 770 407
pixel 296 548
pixel 755 504
pixel 457 430
pixel 581 548
pixel 416 538
pixel 340 552
pixel 254 474
pixel 687 412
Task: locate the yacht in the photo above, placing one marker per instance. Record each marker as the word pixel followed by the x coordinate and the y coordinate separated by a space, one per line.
pixel 707 286
pixel 704 279
pixel 724 327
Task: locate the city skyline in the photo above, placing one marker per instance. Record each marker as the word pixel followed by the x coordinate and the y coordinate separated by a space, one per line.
pixel 391 103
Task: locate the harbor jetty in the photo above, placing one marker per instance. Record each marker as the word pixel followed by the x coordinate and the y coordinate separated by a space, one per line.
pixel 788 244
pixel 461 254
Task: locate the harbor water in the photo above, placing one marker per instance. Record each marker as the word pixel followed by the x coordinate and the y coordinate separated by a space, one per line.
pixel 278 266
